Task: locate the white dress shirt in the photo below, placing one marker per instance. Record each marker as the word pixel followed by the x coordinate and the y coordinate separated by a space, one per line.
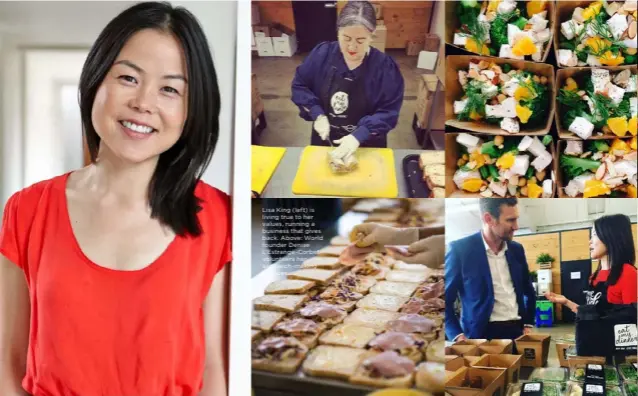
pixel 505 305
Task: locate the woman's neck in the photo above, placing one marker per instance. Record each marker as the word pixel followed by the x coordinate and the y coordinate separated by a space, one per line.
pixel 604 262
pixel 353 64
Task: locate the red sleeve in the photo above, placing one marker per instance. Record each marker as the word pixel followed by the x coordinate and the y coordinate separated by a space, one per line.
pixel 9 241
pixel 628 283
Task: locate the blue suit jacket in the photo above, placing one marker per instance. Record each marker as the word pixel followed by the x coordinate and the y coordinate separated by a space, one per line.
pixel 467 275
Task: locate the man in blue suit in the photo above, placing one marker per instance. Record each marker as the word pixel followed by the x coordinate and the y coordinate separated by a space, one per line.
pixel 488 272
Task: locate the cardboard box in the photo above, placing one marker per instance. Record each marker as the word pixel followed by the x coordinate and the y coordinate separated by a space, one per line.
pixel 255 14
pixel 453 363
pixel 452 24
pixel 512 364
pixel 432 42
pixel 472 341
pixel 427 60
pixel 563 12
pixel 561 352
pixel 578 73
pixel 462 350
pixel 265 46
pixel 379 38
pixel 491 349
pixel 452 156
pixel 261 31
pixel 428 86
pixel 285 46
pixel 580 361
pixel 454 91
pixel 412 48
pixel 493 382
pixel 279 30
pixel 508 344
pixel 534 349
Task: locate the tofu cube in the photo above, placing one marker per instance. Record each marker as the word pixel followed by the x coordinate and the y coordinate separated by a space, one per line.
pixel 615 93
pixel 490 74
pixel 474 66
pixel 510 125
pixel 574 147
pixel 631 43
pixel 617 24
pixel 631 84
pixel 571 189
pixel 581 179
pixel 577 15
pixel 633 106
pixel 459 106
pixel 460 176
pixel 537 148
pixel 505 7
pixel 543 36
pixel 593 61
pixel 509 107
pixel 538 22
pixel 510 87
pixel 571 29
pixel 600 78
pixel 548 188
pixel 512 32
pixel 495 111
pixel 525 143
pixel 541 162
pixel 506 52
pixel 467 140
pixel 460 39
pixel 538 55
pixel 582 127
pixel 567 58
pixel 626 168
pixel 498 188
pixel 489 90
pixel 521 164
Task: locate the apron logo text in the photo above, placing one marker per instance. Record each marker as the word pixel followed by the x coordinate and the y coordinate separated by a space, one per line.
pixel 339 102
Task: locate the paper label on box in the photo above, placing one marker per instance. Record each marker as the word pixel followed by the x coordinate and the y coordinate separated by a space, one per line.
pixel 532 389
pixel 529 353
pixel 575 275
pixel 593 389
pixel 594 373
pixel 626 336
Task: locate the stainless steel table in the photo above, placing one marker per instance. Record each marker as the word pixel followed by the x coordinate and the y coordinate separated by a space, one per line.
pixel 280 185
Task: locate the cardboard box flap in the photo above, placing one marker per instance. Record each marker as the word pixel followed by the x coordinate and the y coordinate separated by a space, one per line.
pixel 487 380
pixel 454 91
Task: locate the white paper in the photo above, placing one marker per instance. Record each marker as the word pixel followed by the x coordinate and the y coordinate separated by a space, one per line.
pixel 575 275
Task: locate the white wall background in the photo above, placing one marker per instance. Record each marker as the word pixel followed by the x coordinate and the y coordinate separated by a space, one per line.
pixel 69 25
pixel 537 215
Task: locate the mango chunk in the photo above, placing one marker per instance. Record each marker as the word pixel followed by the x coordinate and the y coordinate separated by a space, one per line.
pixel 611 59
pixel 618 125
pixel 472 185
pixel 632 125
pixel 523 113
pixel 506 161
pixel 595 188
pixel 534 190
pixel 472 46
pixel 524 46
pixel 534 7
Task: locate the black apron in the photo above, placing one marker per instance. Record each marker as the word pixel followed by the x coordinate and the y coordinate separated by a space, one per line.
pixel 345 102
pixel 602 328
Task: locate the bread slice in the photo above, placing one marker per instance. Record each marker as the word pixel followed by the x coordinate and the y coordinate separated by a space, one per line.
pixel 359 284
pixel 333 361
pixel 255 334
pixel 434 170
pixel 320 276
pixel 362 377
pixel 401 289
pixel 431 157
pixel 280 302
pixel 348 335
pixel 406 276
pixel 434 181
pixel 437 192
pixel 322 262
pixel 266 320
pixel 401 266
pixel 430 377
pixel 307 338
pixel 289 286
pixel 372 318
pixel 385 217
pixel 331 251
pixel 288 365
pixel 339 240
pixel 382 302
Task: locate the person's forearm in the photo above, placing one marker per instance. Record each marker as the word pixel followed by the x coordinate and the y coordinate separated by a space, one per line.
pixel 214 380
pixel 426 232
pixel 572 306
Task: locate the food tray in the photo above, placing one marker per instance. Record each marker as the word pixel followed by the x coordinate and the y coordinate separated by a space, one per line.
pixel 550 374
pixel 611 375
pixel 549 389
pixel 415 185
pixel 302 385
pixel 630 388
pixel 628 372
pixel 576 389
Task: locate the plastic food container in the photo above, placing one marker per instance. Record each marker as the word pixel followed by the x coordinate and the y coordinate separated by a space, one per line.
pixel 630 388
pixel 549 374
pixel 628 372
pixel 576 389
pixel 549 389
pixel 611 375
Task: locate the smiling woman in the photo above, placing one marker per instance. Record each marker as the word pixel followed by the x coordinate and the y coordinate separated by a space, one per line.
pixel 125 259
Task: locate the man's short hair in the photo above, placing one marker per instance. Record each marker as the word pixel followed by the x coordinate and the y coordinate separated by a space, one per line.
pixel 493 205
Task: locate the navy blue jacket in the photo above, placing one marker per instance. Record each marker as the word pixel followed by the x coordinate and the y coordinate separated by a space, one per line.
pixel 383 82
pixel 468 276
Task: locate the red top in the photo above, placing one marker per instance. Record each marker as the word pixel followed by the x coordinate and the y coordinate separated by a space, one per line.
pixel 625 291
pixel 97 331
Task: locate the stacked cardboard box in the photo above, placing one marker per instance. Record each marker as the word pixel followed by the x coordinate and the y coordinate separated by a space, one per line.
pixel 428 85
pixel 274 40
pixel 380 37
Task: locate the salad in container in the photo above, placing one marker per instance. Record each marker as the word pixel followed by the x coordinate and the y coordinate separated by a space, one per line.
pixel 628 372
pixel 504 28
pixel 549 388
pixel 631 388
pixel 577 389
pixel 611 375
pixel 598 34
pixel 557 375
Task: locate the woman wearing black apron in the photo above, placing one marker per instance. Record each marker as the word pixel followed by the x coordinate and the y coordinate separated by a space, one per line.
pixel 613 292
pixel 351 92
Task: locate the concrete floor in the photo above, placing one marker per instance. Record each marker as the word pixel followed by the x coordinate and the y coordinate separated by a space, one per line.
pixel 557 331
pixel 287 129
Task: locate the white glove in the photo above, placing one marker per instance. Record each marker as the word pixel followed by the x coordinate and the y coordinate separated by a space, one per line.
pixel 322 126
pixel 429 251
pixel 367 234
pixel 347 146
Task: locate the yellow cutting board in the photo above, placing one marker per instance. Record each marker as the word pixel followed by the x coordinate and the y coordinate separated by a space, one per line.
pixel 264 161
pixel 375 176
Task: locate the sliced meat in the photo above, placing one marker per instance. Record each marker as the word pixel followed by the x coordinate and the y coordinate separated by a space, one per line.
pixel 353 254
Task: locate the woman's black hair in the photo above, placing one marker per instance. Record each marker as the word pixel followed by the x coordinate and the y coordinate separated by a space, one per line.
pixel 615 232
pixel 171 192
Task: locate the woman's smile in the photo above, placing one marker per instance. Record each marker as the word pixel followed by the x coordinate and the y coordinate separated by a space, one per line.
pixel 137 130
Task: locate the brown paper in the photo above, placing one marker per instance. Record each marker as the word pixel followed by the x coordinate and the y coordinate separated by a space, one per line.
pixel 452 24
pixel 462 350
pixel 534 349
pixel 561 352
pixel 512 364
pixel 452 156
pixel 579 361
pixel 491 349
pixel 561 77
pixel 493 382
pixel 472 341
pixel 508 344
pixel 428 85
pixel 454 92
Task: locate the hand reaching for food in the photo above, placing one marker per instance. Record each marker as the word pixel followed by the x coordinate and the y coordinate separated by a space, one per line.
pixel 556 298
pixel 367 234
pixel 429 252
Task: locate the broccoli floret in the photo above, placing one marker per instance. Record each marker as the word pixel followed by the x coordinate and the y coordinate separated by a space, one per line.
pixel 598 145
pixel 520 22
pixel 547 139
pixel 576 166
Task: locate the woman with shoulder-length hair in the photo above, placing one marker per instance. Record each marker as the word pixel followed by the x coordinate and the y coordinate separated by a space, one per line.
pixel 615 280
pixel 113 277
pixel 350 91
